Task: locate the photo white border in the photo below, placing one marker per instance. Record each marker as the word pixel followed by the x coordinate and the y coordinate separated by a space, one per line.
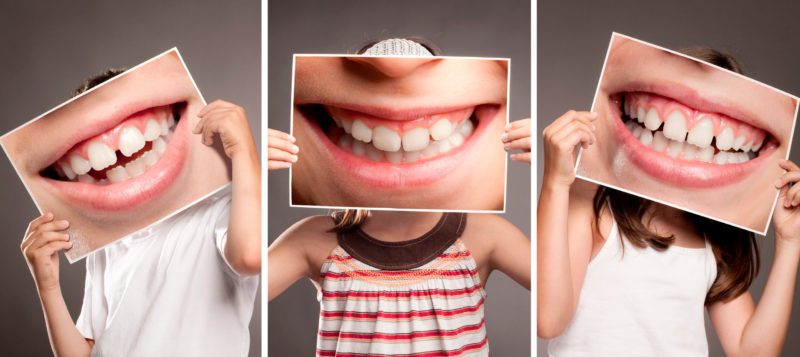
pixel 788 149
pixel 70 258
pixel 508 120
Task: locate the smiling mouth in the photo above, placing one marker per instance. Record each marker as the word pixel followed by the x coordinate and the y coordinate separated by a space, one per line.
pixel 667 126
pixel 124 152
pixel 395 141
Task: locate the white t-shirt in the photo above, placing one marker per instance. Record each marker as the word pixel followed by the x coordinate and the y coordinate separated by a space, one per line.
pixel 168 291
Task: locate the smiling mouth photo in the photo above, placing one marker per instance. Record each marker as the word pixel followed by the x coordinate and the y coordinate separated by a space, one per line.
pixel 388 148
pixel 688 146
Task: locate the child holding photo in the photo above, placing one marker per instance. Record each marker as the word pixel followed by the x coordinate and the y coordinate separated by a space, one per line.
pixel 184 286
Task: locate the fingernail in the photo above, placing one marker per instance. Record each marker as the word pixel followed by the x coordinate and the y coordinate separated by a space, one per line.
pixel 795 202
pixel 292 138
pixel 778 183
pixel 63 223
pixel 507 146
pixel 67 237
pixel 504 136
pixel 295 149
pixel 294 158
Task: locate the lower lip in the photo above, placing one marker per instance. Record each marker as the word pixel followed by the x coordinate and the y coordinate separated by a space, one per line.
pixel 386 175
pixel 135 191
pixel 690 174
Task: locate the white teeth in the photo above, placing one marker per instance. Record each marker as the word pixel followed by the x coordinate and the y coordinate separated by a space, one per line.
pixel 430 150
pixel 705 154
pixel 86 179
pixel 345 141
pixel 465 128
pixel 164 128
pixel 394 156
pixel 171 120
pixel 374 153
pixel 737 144
pixel 640 115
pixel 151 130
pixel 131 140
pixel 67 170
pixel 361 131
pixel 150 158
pixel 637 131
pixel 100 156
pixel 757 146
pixel 630 125
pixel 385 139
pixel 117 174
pixel 416 139
pixel 674 148
pixel 412 156
pixel 135 167
pixel 359 148
pixel 627 109
pixel 347 126
pixel 444 145
pixel 646 137
pixel 702 133
pixel 747 146
pixel 456 139
pixel 721 158
pixel 675 126
pixel 659 141
pixel 159 145
pixel 689 151
pixel 441 129
pixel 725 139
pixel 79 164
pixel 651 120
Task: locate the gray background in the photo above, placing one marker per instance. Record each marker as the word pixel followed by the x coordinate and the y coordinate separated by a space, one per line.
pixel 573 37
pixel 48 49
pixel 458 28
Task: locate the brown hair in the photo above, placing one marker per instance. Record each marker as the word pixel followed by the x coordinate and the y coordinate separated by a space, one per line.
pixel 97 79
pixel 735 250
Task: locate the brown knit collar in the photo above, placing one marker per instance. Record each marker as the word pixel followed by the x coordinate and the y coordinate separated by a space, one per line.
pixel 407 254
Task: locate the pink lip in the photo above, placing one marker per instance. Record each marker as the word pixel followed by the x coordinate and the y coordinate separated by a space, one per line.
pixel 692 174
pixel 388 175
pixel 135 191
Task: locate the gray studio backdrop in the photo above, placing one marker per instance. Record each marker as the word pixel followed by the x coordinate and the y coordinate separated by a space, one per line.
pixel 459 28
pixel 48 49
pixel 573 37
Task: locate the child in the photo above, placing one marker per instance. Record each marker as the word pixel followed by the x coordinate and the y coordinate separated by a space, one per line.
pixel 184 286
pixel 622 276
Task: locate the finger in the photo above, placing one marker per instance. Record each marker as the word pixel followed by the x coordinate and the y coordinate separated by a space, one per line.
pixel 793 195
pixel 518 124
pixel 47 217
pixel 515 134
pixel 53 247
pixel 46 227
pixel 576 126
pixel 523 144
pixel 788 165
pixel 47 237
pixel 570 116
pixel 198 128
pixel 280 134
pixel 521 157
pixel 786 178
pixel 282 144
pixel 575 138
pixel 219 103
pixel 275 165
pixel 280 155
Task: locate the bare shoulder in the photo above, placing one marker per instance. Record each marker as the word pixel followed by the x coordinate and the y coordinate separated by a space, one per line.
pixel 484 224
pixel 311 236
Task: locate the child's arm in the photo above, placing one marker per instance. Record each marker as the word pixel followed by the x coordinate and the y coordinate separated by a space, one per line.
pixel 564 242
pixel 517 135
pixel 510 251
pixel 281 150
pixel 298 252
pixel 748 330
pixel 242 246
pixel 43 240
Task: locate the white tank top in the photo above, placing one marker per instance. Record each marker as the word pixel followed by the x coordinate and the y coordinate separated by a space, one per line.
pixel 640 303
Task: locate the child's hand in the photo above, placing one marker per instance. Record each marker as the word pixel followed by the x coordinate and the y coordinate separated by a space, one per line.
pixel 43 239
pixel 560 141
pixel 282 152
pixel 787 213
pixel 230 122
pixel 517 135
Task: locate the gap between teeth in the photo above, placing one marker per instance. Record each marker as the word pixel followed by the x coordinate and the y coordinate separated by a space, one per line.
pixel 415 144
pixel 131 141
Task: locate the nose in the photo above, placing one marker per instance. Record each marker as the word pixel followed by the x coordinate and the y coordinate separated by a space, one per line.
pixel 394 67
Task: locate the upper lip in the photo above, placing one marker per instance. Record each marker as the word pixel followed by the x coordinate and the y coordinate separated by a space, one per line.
pixel 706 102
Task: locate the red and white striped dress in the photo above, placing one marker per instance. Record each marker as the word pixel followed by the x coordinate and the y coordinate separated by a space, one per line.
pixel 420 298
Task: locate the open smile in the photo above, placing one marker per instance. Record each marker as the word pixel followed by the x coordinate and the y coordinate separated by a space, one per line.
pixel 690 146
pixel 389 149
pixel 123 161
